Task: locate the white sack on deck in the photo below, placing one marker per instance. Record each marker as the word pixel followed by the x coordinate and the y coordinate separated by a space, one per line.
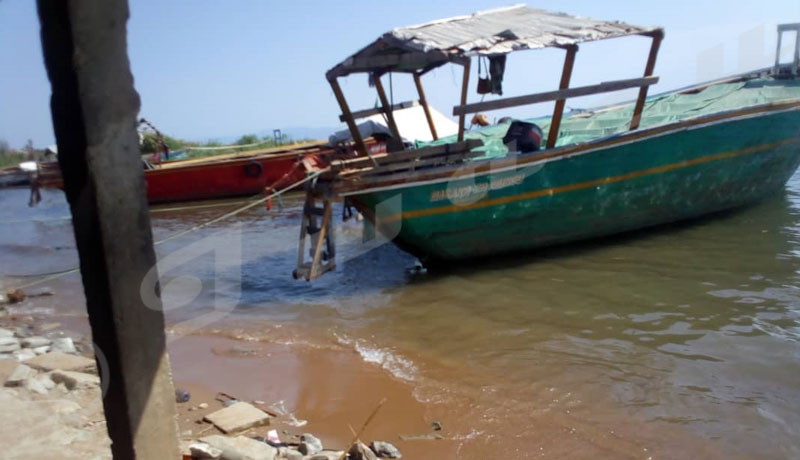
pixel 410 121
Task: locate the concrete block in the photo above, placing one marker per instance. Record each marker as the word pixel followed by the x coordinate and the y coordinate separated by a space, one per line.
pixel 74 380
pixel 61 361
pixel 7 367
pixel 35 342
pixel 20 374
pixel 238 416
pixel 241 448
pixel 64 345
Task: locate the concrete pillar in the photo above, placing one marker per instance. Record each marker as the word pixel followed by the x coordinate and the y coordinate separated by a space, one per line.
pixel 94 108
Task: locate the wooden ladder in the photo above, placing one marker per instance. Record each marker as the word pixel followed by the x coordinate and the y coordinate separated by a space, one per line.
pixel 322 250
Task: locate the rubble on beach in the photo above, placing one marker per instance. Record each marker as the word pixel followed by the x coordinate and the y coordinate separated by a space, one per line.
pixel 50 382
pixel 237 424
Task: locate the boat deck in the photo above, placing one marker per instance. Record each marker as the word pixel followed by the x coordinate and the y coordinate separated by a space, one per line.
pixel 583 126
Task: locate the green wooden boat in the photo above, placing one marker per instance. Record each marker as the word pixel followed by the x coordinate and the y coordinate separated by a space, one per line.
pixel 657 160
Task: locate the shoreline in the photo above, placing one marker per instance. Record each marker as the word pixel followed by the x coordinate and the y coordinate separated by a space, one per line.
pixel 327 389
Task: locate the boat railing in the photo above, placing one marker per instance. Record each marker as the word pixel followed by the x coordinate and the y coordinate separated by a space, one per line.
pixel 604 87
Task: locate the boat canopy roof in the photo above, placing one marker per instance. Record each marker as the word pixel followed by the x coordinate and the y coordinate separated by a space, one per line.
pixel 498 31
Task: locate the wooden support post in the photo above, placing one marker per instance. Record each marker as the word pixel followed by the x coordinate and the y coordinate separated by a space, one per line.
pixel 424 102
pixel 558 111
pixel 320 243
pixel 387 108
pixel 658 36
pixel 301 244
pixel 464 90
pixel 94 108
pixel 348 118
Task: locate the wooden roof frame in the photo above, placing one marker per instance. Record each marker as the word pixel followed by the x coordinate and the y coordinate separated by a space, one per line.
pixel 379 58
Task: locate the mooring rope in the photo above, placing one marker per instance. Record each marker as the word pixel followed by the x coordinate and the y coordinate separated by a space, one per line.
pixel 59 274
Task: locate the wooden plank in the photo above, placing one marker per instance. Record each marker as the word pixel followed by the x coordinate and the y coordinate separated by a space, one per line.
pixel 355 162
pixel 369 112
pixel 351 124
pixel 425 108
pixel 385 158
pixel 353 172
pixel 431 151
pixel 301 244
pixel 648 71
pixel 604 87
pixel 387 109
pixel 558 111
pixel 464 89
pixel 323 231
pixel 414 164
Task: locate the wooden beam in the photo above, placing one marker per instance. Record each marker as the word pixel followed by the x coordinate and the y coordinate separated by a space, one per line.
pixel 322 233
pixel 94 108
pixel 348 118
pixel 604 87
pixel 434 150
pixel 558 111
pixel 464 89
pixel 375 110
pixel 411 154
pixel 648 71
pixel 425 107
pixel 387 109
pixel 420 162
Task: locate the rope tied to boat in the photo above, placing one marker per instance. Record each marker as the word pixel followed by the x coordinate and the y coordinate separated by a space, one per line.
pixel 253 203
pixel 278 183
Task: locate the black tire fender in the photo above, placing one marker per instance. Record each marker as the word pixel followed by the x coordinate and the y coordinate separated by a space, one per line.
pixel 252 169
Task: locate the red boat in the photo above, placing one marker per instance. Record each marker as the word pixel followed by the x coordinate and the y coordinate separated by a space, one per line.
pixel 237 174
pixel 219 176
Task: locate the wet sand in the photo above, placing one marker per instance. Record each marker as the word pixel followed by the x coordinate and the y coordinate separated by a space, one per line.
pixel 329 389
pixel 334 388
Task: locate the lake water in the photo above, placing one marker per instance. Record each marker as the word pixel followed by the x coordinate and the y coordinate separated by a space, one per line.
pixel 676 342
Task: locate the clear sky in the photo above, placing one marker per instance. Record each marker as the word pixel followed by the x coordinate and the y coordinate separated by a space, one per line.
pixel 211 69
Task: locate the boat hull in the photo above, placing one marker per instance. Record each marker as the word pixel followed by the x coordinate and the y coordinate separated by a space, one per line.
pixel 640 181
pixel 220 179
pixel 220 176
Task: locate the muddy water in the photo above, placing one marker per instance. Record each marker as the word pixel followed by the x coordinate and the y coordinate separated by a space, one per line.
pixel 670 343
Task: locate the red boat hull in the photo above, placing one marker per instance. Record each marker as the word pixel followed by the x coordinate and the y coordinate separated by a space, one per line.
pixel 221 179
pixel 223 176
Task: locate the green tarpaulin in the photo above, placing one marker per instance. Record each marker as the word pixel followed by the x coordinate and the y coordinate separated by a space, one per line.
pixel 659 110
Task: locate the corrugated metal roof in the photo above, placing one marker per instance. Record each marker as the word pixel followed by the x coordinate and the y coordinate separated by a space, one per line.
pixel 497 31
